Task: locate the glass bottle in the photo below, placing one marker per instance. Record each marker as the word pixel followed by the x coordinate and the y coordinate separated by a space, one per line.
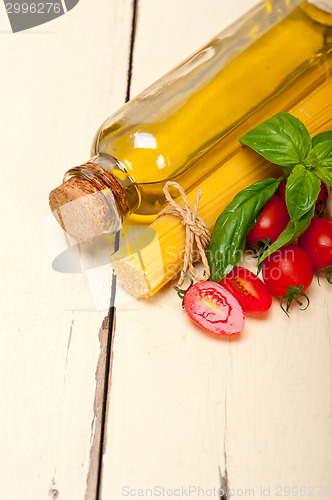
pixel 183 126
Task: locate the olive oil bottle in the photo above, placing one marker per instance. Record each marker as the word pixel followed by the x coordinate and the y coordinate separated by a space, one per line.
pixel 188 122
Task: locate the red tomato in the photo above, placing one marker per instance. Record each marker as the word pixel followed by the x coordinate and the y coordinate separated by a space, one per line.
pixel 316 241
pixel 248 289
pixel 271 223
pixel 288 266
pixel 321 198
pixel 213 308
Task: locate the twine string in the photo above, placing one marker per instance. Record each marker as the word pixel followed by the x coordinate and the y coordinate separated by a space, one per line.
pixel 197 234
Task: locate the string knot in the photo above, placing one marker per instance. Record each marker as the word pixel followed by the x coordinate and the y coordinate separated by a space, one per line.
pixel 197 233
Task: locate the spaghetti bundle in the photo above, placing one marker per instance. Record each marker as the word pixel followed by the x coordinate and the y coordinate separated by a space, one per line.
pixel 153 258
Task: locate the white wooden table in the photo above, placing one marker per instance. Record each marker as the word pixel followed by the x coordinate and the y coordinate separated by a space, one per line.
pixel 92 413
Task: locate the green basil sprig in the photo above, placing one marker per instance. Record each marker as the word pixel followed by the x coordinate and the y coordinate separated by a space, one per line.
pixel 323 136
pixel 285 141
pixel 320 161
pixel 302 189
pixel 282 139
pixel 232 226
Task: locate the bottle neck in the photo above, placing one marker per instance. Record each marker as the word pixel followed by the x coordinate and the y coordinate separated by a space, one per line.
pixel 109 177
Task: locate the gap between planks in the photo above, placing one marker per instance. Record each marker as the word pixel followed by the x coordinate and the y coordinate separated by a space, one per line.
pixel 106 336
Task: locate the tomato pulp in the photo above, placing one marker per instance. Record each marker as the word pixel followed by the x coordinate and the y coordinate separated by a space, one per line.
pixel 248 289
pixel 213 308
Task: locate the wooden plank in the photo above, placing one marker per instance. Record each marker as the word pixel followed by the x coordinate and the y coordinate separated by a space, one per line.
pixel 59 82
pixel 188 409
pixel 153 396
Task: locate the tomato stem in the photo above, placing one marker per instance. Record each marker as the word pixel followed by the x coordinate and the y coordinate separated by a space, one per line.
pixel 293 293
pixel 261 246
pixel 319 208
pixel 328 274
pixel 182 292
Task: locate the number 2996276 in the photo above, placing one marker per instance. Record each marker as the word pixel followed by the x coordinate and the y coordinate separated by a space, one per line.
pixel 33 8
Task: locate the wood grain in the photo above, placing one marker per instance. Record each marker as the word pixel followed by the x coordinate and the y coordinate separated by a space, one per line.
pixel 183 408
pixel 248 413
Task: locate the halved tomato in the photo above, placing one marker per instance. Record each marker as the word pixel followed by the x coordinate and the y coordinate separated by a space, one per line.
pixel 248 289
pixel 213 308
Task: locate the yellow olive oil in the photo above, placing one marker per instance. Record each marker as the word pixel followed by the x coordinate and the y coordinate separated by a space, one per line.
pixel 192 117
pixel 187 125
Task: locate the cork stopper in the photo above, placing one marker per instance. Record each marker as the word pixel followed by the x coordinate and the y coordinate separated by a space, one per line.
pixel 82 210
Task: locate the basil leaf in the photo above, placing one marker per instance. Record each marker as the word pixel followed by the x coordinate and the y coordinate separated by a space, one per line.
pixel 282 139
pixel 232 226
pixel 324 136
pixel 320 161
pixel 302 190
pixel 324 173
pixel 293 230
pixel 321 153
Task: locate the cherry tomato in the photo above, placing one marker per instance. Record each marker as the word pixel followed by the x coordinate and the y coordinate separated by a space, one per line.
pixel 248 289
pixel 271 223
pixel 213 308
pixel 316 241
pixel 288 266
pixel 321 198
